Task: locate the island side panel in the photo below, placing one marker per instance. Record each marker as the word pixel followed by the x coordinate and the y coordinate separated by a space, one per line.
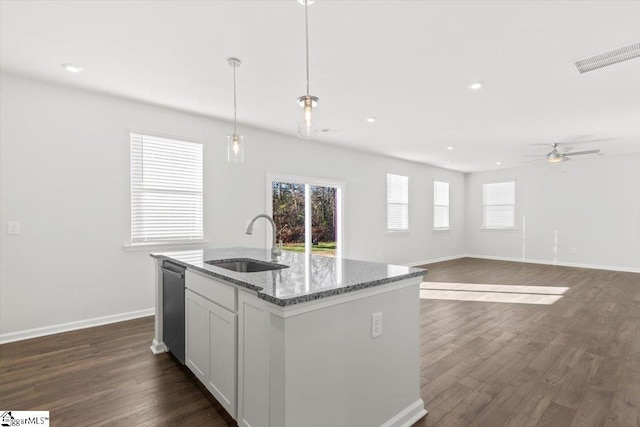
pixel 338 375
pixel 253 361
pixel 157 345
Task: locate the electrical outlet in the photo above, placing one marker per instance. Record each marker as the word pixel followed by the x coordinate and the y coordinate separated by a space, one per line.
pixel 13 227
pixel 573 251
pixel 376 324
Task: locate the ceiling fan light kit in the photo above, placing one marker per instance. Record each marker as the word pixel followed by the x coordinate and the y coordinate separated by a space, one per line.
pixel 556 156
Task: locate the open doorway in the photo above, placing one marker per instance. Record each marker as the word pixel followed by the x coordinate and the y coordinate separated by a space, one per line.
pixel 307 213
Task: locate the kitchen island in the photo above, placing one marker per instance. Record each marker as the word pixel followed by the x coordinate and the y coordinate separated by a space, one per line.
pixel 316 341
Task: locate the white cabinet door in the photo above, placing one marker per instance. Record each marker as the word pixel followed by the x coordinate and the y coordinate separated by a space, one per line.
pixel 222 379
pixel 197 335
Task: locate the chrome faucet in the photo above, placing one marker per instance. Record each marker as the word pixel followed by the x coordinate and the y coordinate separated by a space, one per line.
pixel 275 252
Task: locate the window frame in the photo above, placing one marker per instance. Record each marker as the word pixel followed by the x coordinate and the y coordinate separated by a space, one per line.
pixel 136 245
pixel 448 205
pixel 307 181
pixel 484 205
pixel 388 203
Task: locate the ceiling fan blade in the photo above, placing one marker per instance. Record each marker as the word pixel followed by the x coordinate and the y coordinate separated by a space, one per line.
pixel 575 141
pixel 585 141
pixel 579 153
pixel 565 150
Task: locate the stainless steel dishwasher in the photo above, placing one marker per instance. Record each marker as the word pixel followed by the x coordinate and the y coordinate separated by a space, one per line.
pixel 173 308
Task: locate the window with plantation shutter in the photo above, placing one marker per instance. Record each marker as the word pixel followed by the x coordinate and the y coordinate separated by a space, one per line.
pixel 440 205
pixel 397 202
pixel 166 190
pixel 499 201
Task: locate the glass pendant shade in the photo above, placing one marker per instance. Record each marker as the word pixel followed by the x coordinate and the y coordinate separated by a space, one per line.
pixel 309 118
pixel 235 148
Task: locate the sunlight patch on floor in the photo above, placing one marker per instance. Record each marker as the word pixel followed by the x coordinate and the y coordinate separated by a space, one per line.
pixel 544 295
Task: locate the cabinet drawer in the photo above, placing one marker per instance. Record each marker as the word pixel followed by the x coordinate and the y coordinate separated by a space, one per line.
pixel 212 289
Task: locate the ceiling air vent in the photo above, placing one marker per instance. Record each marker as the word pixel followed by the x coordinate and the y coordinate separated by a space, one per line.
pixel 608 58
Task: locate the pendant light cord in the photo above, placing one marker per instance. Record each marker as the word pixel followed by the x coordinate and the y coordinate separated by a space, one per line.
pixel 306 27
pixel 235 116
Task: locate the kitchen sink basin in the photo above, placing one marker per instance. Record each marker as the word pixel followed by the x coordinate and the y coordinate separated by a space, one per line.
pixel 244 265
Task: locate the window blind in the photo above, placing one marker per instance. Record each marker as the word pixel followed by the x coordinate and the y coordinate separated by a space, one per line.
pixel 440 204
pixel 166 190
pixel 397 202
pixel 499 201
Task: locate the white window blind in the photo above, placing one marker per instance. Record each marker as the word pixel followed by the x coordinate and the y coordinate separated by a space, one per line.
pixel 499 201
pixel 440 204
pixel 397 202
pixel 166 190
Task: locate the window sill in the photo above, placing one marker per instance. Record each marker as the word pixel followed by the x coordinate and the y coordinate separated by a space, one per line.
pixel 498 229
pixel 397 231
pixel 169 246
pixel 442 229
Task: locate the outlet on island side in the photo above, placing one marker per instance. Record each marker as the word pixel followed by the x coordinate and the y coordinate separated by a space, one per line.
pixel 376 324
pixel 13 227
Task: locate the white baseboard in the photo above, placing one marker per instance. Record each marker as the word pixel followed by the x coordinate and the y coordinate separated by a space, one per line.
pixel 431 261
pixel 408 416
pixel 72 326
pixel 560 263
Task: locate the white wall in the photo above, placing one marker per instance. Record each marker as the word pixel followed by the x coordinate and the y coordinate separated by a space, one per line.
pixel 593 204
pixel 64 171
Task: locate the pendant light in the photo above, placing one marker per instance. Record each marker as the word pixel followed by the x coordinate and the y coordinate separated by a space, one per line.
pixel 235 142
pixel 308 123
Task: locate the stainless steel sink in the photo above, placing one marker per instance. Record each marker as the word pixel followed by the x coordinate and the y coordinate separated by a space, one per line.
pixel 245 265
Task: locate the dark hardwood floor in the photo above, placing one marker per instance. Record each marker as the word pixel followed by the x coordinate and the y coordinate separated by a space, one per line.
pixel 572 363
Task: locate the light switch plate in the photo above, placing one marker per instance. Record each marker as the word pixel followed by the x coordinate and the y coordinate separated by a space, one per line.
pixel 13 227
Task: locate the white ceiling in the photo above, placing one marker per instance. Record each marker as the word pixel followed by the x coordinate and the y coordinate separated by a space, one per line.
pixel 408 63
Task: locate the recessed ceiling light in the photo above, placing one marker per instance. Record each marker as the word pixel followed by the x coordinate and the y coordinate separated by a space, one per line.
pixel 309 2
pixel 498 163
pixel 475 85
pixel 72 68
pixel 447 161
pixel 449 148
pixel 371 119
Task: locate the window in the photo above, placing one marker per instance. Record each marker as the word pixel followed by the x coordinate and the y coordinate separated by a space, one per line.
pixel 166 190
pixel 440 205
pixel 499 201
pixel 397 203
pixel 307 212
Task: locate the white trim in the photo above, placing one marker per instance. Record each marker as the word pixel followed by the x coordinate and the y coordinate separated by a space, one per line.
pixel 158 347
pixel 169 246
pixel 397 232
pixel 560 263
pixel 499 228
pixel 434 260
pixel 408 416
pixel 72 326
pixel 165 136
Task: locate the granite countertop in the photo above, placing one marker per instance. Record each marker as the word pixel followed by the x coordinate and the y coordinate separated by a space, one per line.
pixel 307 277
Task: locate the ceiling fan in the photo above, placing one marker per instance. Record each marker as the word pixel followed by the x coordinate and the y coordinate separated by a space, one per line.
pixel 555 156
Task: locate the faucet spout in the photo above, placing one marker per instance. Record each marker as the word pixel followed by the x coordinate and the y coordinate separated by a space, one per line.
pixel 275 252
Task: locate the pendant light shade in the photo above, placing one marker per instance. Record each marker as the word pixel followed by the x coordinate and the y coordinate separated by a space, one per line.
pixel 235 142
pixel 308 123
pixel 235 148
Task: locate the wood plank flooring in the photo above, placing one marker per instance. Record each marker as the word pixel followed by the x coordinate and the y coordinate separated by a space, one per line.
pixel 573 363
